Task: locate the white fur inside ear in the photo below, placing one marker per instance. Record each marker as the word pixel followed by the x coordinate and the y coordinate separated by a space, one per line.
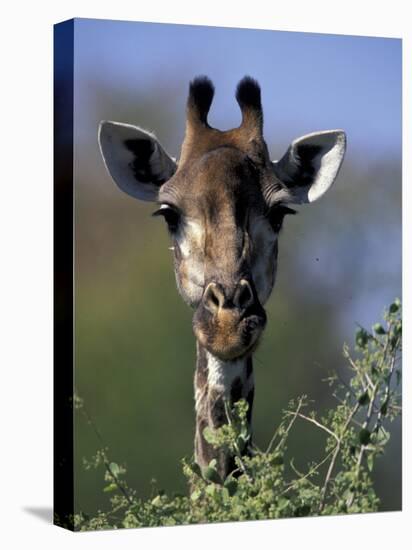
pixel 323 152
pixel 119 159
pixel 330 161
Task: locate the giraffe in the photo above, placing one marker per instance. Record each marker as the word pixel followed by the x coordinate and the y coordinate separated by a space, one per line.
pixel 224 202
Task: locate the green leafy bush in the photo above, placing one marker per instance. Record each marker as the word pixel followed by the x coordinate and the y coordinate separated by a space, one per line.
pixel 266 484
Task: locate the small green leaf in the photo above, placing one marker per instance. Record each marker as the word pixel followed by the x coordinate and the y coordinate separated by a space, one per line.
pixel 382 436
pixel 110 488
pixel 157 501
pixel 364 436
pixel 211 490
pixel 196 495
pixel 231 486
pixel 378 329
pixel 393 308
pixel 209 435
pixel 361 338
pixel 225 495
pixel 195 468
pixel 283 502
pixel 114 468
pixel 211 474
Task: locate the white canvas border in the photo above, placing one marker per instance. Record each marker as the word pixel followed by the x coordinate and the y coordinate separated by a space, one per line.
pixel 26 272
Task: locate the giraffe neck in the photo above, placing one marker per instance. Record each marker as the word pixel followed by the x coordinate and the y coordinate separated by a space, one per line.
pixel 215 382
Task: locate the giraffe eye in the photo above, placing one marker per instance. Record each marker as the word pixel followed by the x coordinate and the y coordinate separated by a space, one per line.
pixel 276 216
pixel 171 215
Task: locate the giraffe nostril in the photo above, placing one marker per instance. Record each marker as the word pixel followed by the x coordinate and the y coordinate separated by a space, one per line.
pixel 243 295
pixel 213 298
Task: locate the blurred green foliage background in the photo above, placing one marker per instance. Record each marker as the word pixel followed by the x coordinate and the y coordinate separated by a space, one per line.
pixel 339 261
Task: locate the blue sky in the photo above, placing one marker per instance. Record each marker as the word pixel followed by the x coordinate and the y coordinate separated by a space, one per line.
pixel 309 81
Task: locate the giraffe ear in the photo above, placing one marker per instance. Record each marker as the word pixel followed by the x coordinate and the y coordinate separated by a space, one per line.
pixel 310 165
pixel 135 159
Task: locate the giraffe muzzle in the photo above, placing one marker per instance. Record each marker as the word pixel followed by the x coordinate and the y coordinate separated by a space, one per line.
pixel 229 320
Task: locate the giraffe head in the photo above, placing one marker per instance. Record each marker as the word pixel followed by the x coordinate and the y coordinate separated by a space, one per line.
pixel 224 203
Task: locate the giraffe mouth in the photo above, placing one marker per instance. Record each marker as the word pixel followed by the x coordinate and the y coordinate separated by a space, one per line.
pixel 229 336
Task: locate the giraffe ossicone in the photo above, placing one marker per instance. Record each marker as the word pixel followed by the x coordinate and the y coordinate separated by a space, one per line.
pixel 224 202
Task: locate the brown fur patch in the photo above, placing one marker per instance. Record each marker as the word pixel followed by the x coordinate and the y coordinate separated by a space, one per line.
pixel 227 335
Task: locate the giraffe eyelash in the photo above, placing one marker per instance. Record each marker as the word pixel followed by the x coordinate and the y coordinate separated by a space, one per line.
pixel 282 209
pixel 171 215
